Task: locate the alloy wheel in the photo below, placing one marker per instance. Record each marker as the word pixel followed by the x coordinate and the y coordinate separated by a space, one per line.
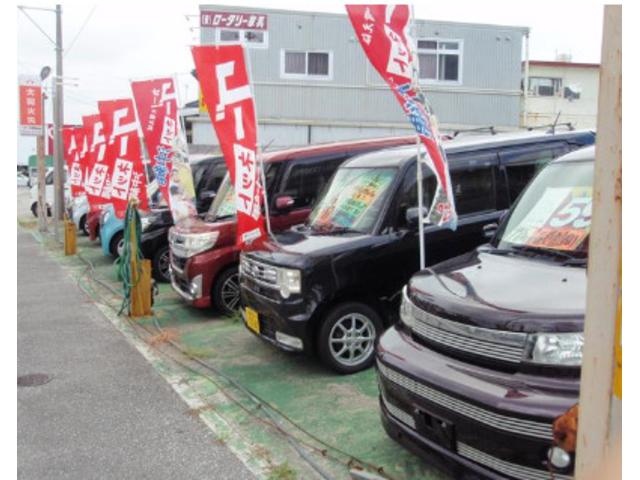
pixel 230 293
pixel 351 339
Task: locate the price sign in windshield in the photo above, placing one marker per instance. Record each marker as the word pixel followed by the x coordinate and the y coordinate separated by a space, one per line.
pixel 561 220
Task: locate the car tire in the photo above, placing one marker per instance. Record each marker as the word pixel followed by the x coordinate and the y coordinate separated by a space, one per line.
pixel 337 349
pixel 161 264
pixel 225 294
pixel 34 209
pixel 116 240
pixel 84 228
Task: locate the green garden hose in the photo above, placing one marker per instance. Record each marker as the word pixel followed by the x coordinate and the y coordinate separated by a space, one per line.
pixel 132 221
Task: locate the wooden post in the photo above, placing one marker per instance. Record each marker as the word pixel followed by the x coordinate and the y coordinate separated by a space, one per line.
pixel 70 245
pixel 141 292
pixel 599 443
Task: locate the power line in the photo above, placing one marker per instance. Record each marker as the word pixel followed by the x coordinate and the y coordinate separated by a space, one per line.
pixel 36 25
pixel 84 24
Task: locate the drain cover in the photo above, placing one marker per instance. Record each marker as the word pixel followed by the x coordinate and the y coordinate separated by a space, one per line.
pixel 33 380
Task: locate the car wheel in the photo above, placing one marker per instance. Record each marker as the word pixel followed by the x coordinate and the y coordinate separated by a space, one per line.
pixel 116 246
pixel 34 209
pixel 347 338
pixel 161 264
pixel 226 291
pixel 84 228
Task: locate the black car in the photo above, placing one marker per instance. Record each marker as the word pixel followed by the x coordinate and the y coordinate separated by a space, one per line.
pixel 488 349
pixel 207 174
pixel 332 286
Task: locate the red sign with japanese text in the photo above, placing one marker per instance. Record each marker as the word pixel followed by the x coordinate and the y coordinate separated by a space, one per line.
pixel 123 155
pixel 225 85
pixel 157 108
pixel 76 151
pixel 69 146
pixel 97 183
pixel 30 93
pixel 233 20
pixel 383 31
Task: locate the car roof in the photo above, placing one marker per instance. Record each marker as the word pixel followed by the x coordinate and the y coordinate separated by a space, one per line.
pixel 580 155
pixel 335 147
pixel 395 157
pixel 201 158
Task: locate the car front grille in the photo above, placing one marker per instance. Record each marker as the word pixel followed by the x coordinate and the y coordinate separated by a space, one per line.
pixel 496 345
pixel 527 428
pixel 259 272
pixel 513 470
pixel 400 414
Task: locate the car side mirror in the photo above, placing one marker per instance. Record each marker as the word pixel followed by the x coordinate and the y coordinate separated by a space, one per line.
pixel 489 230
pixel 412 216
pixel 284 203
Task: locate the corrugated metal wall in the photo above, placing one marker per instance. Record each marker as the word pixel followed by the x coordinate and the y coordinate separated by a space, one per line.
pixel 489 93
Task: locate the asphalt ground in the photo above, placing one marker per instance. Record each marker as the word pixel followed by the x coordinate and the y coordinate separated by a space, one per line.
pixel 106 412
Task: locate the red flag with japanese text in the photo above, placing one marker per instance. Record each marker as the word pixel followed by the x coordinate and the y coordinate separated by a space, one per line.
pixel 71 157
pixel 157 108
pixel 123 154
pixel 225 87
pixel 383 31
pixel 77 169
pixel 97 183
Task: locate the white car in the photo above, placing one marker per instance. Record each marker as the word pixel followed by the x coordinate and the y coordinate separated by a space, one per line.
pixel 23 180
pixel 49 193
pixel 79 211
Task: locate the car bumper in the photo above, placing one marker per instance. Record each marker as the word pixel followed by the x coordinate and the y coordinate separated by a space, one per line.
pixel 491 423
pixel 280 320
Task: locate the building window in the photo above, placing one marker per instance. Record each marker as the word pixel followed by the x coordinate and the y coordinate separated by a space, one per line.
pixel 440 60
pixel 545 86
pixel 300 64
pixel 248 38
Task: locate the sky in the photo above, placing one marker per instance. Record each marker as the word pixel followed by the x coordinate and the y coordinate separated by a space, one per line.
pixel 109 43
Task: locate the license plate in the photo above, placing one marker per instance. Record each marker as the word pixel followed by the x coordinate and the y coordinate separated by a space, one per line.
pixel 251 317
pixel 437 429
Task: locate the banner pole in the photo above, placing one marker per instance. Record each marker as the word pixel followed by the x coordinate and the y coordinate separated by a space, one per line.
pixel 414 81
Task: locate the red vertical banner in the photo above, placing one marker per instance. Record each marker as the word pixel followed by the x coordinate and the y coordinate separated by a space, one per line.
pixel 226 90
pixel 97 183
pixel 69 146
pixel 157 108
pixel 78 159
pixel 123 154
pixel 383 32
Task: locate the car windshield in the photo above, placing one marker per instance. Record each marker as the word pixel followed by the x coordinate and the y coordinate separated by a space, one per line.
pixel 553 215
pixel 224 205
pixel 352 201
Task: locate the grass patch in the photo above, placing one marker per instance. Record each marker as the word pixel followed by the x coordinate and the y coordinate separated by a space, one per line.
pixel 282 472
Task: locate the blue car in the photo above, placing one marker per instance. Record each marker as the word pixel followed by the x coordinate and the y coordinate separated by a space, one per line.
pixel 111 232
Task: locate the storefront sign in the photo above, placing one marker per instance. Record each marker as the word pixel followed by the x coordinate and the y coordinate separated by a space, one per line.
pixel 233 20
pixel 383 31
pixel 30 93
pixel 225 86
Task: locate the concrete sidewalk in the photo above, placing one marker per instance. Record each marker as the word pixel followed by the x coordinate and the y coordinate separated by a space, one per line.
pixel 105 413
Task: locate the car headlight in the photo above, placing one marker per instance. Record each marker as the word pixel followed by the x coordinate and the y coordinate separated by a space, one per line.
pixel 406 312
pixel 288 281
pixel 146 221
pixel 193 243
pixel 557 348
pixel 106 216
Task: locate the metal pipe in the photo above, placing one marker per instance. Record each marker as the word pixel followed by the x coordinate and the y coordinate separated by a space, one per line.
pixel 58 120
pixel 525 83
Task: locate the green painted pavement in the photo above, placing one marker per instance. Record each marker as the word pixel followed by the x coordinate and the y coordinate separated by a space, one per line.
pixel 340 410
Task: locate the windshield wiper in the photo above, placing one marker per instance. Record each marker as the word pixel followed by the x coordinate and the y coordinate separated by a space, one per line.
pixel 497 251
pixel 332 229
pixel 545 251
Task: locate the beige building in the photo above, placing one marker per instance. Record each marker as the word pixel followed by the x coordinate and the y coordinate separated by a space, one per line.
pixel 561 87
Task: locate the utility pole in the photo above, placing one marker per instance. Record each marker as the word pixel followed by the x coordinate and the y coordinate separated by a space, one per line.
pixel 599 442
pixel 42 203
pixel 58 121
